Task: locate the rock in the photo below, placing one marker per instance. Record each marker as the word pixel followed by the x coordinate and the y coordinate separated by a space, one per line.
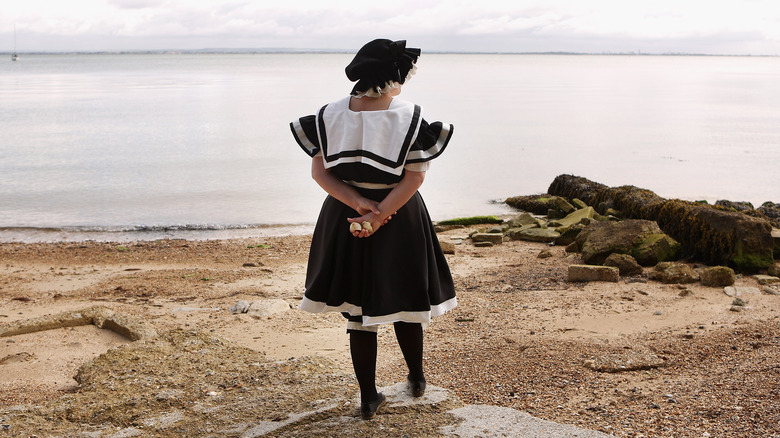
pixel 573 247
pixel 544 254
pixel 734 206
pixel 772 212
pixel 621 362
pixel 718 276
pixel 494 238
pixel 673 273
pixel 738 301
pixel 626 264
pixel 447 247
pixel 714 236
pixel 536 204
pixel 656 248
pixel 736 291
pixel 240 307
pixel 774 270
pixel 494 421
pixel 128 326
pixel 523 219
pixel 534 234
pixel 574 218
pixel 265 308
pixel 776 243
pixel 578 203
pixel 589 273
pixel 554 213
pixel 769 290
pixel 562 205
pixel 569 235
pixel 442 228
pixel 483 244
pixel 766 279
pixel 640 238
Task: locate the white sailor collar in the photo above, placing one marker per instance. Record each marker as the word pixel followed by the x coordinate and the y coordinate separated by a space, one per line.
pixel 380 139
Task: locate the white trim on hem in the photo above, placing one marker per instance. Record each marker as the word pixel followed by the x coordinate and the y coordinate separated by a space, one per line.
pixel 320 307
pixel 423 317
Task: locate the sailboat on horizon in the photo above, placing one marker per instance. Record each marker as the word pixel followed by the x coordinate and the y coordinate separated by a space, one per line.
pixel 14 55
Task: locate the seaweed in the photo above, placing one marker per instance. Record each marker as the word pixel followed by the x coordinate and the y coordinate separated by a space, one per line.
pixel 473 220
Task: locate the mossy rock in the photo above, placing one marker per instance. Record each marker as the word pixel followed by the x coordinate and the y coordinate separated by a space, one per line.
pixel 574 218
pixel 569 235
pixel 673 273
pixel 625 263
pixel 718 276
pixel 522 220
pixel 533 234
pixel 714 236
pixel 601 239
pixel 719 237
pixel 656 247
pixel 536 204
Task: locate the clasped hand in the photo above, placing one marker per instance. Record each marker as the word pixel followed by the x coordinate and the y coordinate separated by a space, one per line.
pixel 369 210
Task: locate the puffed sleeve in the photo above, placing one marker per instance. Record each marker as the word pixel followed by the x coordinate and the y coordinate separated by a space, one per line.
pixel 430 142
pixel 305 132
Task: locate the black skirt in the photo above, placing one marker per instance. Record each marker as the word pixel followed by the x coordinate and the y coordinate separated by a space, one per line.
pixel 397 274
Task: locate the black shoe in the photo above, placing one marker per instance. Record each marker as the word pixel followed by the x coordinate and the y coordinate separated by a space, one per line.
pixel 368 410
pixel 417 387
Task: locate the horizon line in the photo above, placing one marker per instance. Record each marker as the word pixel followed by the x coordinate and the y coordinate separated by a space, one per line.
pixel 273 50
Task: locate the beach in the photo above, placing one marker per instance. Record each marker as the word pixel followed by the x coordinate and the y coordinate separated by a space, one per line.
pixel 521 337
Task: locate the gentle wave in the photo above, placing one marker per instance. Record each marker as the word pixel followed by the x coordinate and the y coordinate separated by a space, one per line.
pixel 149 232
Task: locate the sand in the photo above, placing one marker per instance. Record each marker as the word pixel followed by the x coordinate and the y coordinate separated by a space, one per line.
pixel 521 337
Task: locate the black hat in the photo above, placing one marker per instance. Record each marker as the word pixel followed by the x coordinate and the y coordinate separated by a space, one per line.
pixel 379 62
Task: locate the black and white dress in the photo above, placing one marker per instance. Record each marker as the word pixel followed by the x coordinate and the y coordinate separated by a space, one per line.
pixel 400 272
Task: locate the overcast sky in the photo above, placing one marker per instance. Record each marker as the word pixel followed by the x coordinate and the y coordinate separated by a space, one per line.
pixel 600 26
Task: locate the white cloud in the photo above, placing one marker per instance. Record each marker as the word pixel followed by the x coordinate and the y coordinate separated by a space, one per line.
pixel 727 26
pixel 135 4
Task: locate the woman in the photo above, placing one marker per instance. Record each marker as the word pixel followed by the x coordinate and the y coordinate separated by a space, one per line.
pixel 370 152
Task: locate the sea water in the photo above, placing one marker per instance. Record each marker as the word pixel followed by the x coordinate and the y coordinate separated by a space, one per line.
pixel 140 146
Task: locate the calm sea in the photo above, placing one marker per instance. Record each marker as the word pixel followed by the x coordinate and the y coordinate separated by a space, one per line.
pixel 126 147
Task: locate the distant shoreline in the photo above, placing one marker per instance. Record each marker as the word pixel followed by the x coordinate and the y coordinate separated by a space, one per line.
pixel 281 51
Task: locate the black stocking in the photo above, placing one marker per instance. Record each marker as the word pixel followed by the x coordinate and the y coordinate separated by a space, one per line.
pixel 362 346
pixel 410 339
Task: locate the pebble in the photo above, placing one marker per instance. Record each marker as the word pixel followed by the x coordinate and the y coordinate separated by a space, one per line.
pixel 545 254
pixel 735 291
pixel 771 290
pixel 241 306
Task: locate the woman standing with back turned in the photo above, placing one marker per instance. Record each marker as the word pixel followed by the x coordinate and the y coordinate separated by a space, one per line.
pixel 370 152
